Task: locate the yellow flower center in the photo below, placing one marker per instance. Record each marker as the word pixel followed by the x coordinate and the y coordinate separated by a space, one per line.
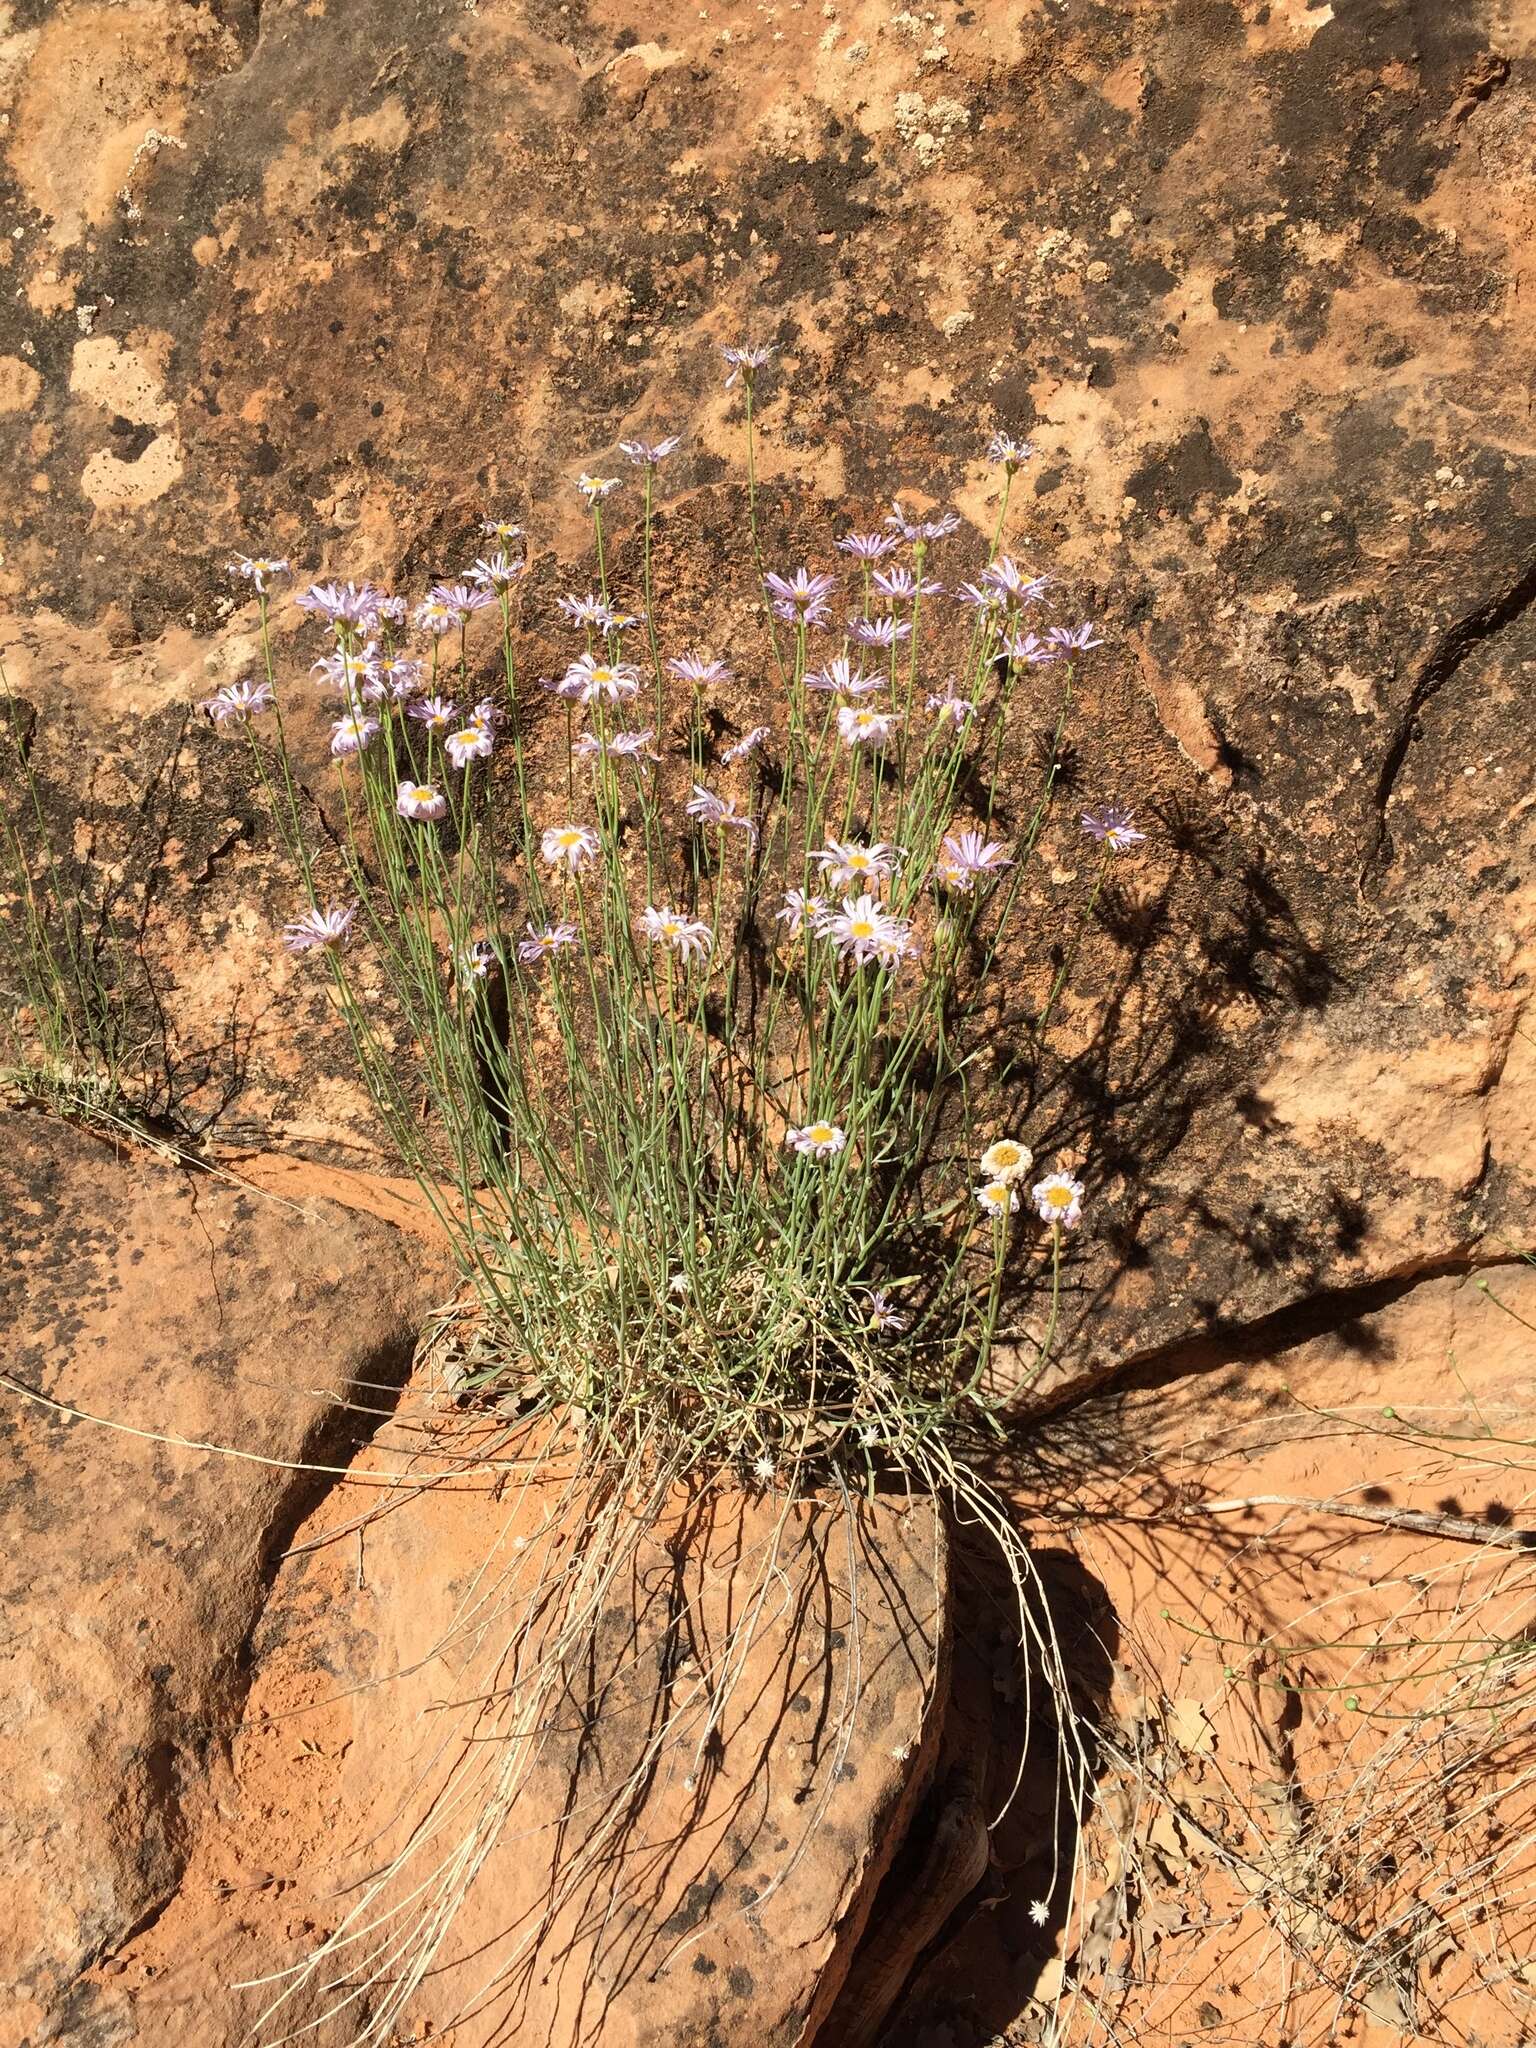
pixel 861 928
pixel 422 795
pixel 1059 1197
pixel 821 1134
pixel 997 1194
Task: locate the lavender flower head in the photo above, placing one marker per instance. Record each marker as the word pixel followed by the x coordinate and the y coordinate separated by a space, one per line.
pixel 900 583
pixel 799 911
pixel 964 856
pixel 883 632
pixel 569 846
pixel 883 1317
pixel 543 942
pixel 472 743
pixel 1058 1200
pixel 421 802
pixel 1030 649
pixel 258 569
pixel 842 677
pixel 1010 581
pixel 1005 449
pixel 497 572
pixel 239 701
pixel 950 708
pixel 318 928
pixel 697 669
pixel 1111 826
pixel 349 606
pixel 844 863
pixel 801 599
pixel 921 529
pixel 435 713
pixel 1073 639
pixel 478 960
pixel 718 812
pixel 746 360
pixel 818 1140
pixel 351 734
pixel 588 679
pixel 869 547
pixel 688 937
pixel 859 726
pixel 503 531
pixel 595 488
pixel 647 454
pixel 864 931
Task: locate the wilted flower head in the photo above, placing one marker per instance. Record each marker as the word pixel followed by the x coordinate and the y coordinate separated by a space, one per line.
pixel 471 743
pixel 687 936
pixel 965 855
pixel 569 846
pixel 591 610
pixel 746 360
pixel 801 598
pixel 487 714
pixel 764 1469
pixel 351 734
pixel 258 569
pixel 419 800
pixel 800 910
pixel 921 529
pixel 869 547
pixel 859 726
pixel 718 812
pixel 698 669
pixel 882 1314
pixel 739 749
pixel 237 700
pixel 817 1140
pixel 1003 448
pixel 1058 1200
pixel 1074 639
pixel 477 960
pixel 1112 828
pixel 845 861
pixel 589 678
pixel 880 632
pixel 1006 1159
pixel 841 675
pixel 320 928
pixel 435 713
pixel 950 708
pixel 544 941
pixel 998 1197
pixel 595 488
pixel 399 677
pixel 646 454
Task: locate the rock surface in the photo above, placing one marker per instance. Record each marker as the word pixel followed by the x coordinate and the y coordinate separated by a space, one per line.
pixel 331 282
pixel 134 1569
pixel 718 1870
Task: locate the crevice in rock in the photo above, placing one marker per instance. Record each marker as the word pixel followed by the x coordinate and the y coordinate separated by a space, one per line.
pixel 1321 1314
pixel 1450 650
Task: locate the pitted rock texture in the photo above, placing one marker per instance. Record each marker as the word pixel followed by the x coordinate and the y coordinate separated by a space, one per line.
pixel 1253 275
pixel 162 1306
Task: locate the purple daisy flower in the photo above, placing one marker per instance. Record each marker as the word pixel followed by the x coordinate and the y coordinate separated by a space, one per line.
pixel 902 584
pixel 1073 639
pixel 800 910
pixel 320 928
pixel 950 708
pixel 921 529
pixel 1005 576
pixel 647 454
pixel 588 679
pixel 504 531
pixel 980 596
pixel 698 669
pixel 541 945
pixel 420 801
pixel 470 743
pixel 884 632
pixel 239 701
pixel 352 605
pixel 1030 648
pixel 746 360
pixel 687 936
pixel 869 547
pixel 435 713
pixel 801 599
pixel 258 569
pixel 966 855
pixel 595 488
pixel 718 813
pixel 497 572
pixel 569 846
pixel 818 1140
pixel 859 726
pixel 842 677
pixel 590 610
pixel 1011 453
pixel 1111 826
pixel 477 961
pixel 351 734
